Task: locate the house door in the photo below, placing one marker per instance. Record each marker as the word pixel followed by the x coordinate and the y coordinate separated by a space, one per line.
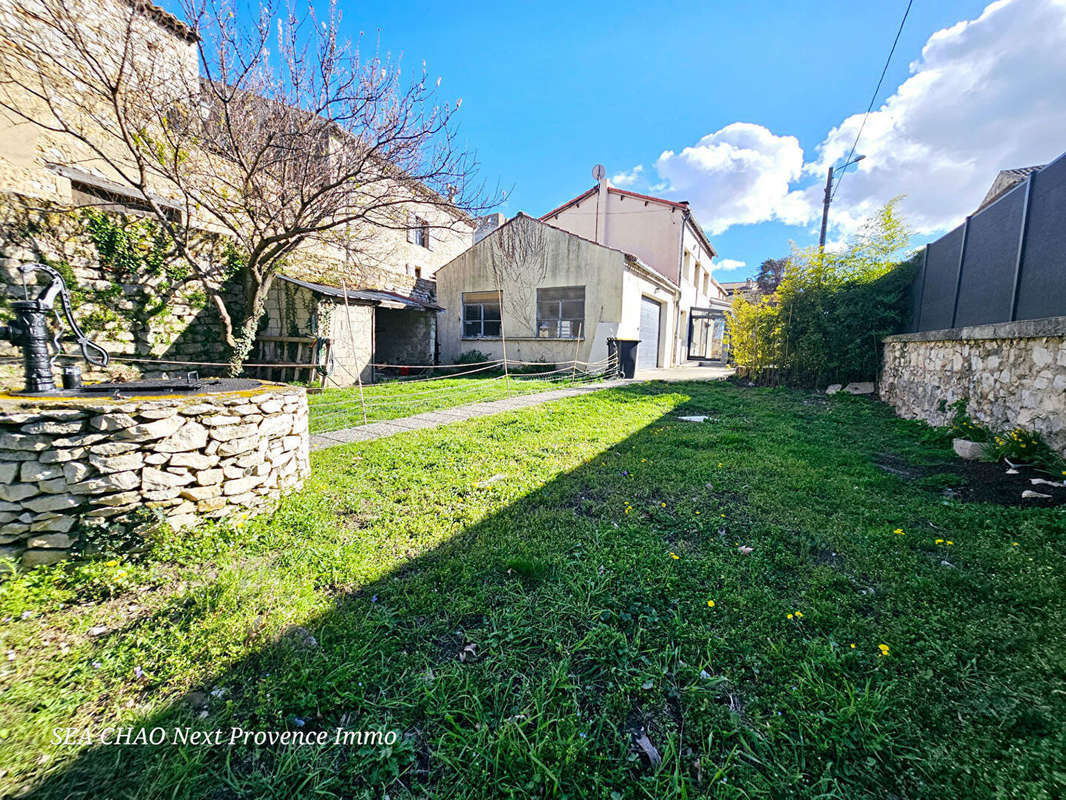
pixel 707 339
pixel 648 349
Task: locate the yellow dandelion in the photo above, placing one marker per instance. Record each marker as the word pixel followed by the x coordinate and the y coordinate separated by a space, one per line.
pixel 939 541
pixel 949 542
pixel 883 648
pixel 899 532
pixel 799 614
pixel 643 460
pixel 710 604
pixel 788 616
pixel 1013 544
pixel 853 645
pixel 674 556
pixel 697 513
pixel 662 505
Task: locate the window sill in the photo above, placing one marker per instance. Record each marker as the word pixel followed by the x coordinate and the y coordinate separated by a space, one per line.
pixel 522 339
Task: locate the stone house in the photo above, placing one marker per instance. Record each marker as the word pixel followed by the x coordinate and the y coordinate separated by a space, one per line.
pixel 546 295
pixel 392 320
pixel 665 235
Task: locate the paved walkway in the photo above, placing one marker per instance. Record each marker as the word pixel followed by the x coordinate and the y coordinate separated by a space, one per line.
pixel 445 416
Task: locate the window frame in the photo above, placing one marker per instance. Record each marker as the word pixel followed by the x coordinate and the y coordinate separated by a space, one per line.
pixel 556 320
pixel 480 300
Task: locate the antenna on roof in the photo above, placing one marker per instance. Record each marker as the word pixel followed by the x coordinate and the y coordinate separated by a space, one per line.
pixel 599 171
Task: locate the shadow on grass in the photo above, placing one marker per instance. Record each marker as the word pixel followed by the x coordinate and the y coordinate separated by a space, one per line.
pixel 485 655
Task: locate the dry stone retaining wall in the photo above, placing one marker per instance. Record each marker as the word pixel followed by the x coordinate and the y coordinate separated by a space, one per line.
pixel 69 464
pixel 1011 374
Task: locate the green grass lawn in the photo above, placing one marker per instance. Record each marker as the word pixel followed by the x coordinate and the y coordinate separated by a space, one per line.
pixel 522 596
pixel 333 409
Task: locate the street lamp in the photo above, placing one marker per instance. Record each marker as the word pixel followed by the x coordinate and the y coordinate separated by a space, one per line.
pixel 829 195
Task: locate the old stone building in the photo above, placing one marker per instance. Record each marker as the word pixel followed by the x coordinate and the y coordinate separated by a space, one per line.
pixel 49 180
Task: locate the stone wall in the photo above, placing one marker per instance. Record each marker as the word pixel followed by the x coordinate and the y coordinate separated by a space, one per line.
pixel 1011 374
pixel 70 467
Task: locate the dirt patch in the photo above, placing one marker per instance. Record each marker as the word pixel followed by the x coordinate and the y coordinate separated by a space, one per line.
pixel 978 481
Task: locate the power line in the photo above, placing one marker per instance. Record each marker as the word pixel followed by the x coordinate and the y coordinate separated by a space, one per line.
pixel 873 99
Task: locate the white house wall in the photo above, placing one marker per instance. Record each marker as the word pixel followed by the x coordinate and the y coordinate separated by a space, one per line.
pixel 565 261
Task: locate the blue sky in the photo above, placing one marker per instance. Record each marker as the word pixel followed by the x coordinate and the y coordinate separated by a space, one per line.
pixel 552 88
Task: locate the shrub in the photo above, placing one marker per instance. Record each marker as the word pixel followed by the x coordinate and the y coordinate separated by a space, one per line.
pixel 473 357
pixel 826 320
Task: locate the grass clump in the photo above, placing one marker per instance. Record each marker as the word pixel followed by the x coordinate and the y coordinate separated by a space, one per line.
pixel 757 602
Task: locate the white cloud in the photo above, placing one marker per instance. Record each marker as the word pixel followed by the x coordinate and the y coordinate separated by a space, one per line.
pixel 985 95
pixel 737 175
pixel 628 178
pixel 730 263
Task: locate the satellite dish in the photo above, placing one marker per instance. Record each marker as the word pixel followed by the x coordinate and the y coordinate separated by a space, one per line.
pixel 599 171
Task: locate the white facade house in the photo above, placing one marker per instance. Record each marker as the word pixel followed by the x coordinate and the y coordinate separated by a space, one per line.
pixel 666 236
pixel 546 295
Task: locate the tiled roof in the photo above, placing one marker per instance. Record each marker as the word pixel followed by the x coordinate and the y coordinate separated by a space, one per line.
pixel 681 205
pixel 1006 180
pixel 375 296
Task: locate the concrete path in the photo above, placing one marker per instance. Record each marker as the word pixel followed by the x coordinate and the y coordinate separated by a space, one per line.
pixel 445 416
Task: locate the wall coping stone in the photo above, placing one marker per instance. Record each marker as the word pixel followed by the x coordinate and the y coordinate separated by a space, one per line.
pixel 1020 329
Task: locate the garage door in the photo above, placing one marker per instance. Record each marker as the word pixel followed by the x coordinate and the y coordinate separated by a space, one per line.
pixel 648 349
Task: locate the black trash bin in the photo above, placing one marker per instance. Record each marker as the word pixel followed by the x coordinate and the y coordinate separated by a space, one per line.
pixel 615 370
pixel 627 356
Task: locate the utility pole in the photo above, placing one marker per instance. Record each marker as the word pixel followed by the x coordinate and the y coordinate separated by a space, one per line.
pixel 829 196
pixel 825 207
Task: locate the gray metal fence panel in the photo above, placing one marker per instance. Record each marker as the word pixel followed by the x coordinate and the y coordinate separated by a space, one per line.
pixel 1042 282
pixel 941 274
pixel 991 246
pixel 1007 262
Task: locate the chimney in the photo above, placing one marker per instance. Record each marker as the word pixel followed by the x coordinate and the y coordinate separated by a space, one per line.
pixel 599 172
pixel 486 225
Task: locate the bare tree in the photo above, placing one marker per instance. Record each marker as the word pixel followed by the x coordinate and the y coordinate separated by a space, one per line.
pixel 518 255
pixel 268 128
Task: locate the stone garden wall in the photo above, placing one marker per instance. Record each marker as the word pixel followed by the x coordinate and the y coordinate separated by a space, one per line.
pixel 73 470
pixel 1011 374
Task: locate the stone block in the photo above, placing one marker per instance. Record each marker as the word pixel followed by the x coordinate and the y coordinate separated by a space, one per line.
pixel 211 504
pixel 54 486
pixel 117 499
pixel 61 456
pixel 50 540
pixel 36 471
pixel 8 471
pixel 36 558
pixel 209 477
pixel 113 482
pixel 53 428
pixel 191 436
pixel 201 492
pixel 18 492
pixel 238 446
pixel 121 463
pixel 113 448
pixel 75 471
pixel 860 387
pixel 24 442
pixel 197 461
pixel 240 485
pixel 216 420
pixel 153 479
pixel 162 494
pixel 54 502
pixel 833 388
pixel 160 429
pixel 227 433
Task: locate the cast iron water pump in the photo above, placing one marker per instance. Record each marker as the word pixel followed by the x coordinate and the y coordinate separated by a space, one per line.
pixel 29 330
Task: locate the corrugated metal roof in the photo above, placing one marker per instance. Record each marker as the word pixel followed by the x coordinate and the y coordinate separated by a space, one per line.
pixel 378 297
